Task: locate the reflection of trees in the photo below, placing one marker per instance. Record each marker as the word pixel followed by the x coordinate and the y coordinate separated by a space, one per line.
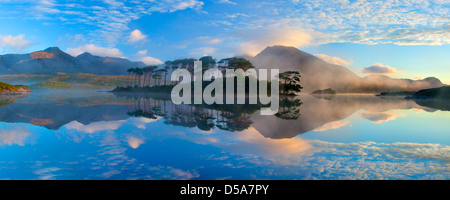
pixel 142 107
pixel 232 121
pixel 6 99
pixel 289 108
pixel 205 117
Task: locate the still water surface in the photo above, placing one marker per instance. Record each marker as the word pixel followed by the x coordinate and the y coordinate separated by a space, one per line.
pixel 99 135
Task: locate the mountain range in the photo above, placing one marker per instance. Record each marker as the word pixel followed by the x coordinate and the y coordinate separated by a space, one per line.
pixel 53 60
pixel 318 74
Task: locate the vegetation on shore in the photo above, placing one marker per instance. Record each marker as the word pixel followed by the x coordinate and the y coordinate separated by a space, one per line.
pixel 6 88
pixel 154 79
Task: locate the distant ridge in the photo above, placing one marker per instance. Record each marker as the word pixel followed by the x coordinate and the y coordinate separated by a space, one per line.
pixel 53 60
pixel 318 74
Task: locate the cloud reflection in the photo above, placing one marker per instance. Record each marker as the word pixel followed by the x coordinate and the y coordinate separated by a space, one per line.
pixel 380 117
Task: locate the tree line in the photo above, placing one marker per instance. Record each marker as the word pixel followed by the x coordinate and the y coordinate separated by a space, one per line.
pixel 151 76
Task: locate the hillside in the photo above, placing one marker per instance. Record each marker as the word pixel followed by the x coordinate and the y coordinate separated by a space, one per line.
pixel 442 93
pixel 53 60
pixel 6 88
pixel 77 81
pixel 55 85
pixel 318 74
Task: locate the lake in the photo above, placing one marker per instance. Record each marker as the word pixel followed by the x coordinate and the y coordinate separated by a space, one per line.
pixel 101 135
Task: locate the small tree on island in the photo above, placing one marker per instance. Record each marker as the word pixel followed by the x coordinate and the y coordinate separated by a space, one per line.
pixel 290 82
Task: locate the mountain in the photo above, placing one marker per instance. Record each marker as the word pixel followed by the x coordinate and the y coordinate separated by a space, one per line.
pixel 52 60
pixel 318 74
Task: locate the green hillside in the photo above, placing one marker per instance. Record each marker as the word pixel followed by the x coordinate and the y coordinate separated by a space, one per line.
pixel 52 85
pixel 8 88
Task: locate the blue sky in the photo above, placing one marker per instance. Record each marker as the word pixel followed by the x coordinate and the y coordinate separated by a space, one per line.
pixel 403 39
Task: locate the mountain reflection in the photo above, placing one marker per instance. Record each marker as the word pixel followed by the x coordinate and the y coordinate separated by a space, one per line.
pixel 98 135
pixel 296 115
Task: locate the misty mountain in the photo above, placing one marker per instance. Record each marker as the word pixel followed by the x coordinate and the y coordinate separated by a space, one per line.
pixel 318 74
pixel 53 60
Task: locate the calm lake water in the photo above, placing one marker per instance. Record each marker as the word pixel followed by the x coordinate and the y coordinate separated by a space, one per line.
pixel 99 135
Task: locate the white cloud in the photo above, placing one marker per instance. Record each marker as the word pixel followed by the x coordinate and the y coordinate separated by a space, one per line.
pixel 206 40
pixel 400 22
pixel 15 42
pixel 227 2
pixel 182 5
pixel 142 53
pixel 151 61
pixel 136 36
pixel 109 16
pixel 203 51
pixel 17 135
pixel 334 60
pixel 96 50
pixel 142 56
pixel 379 68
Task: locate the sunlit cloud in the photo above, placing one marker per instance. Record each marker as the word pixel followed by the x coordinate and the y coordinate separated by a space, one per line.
pixel 334 60
pixel 380 117
pixel 95 50
pixel 14 42
pixel 332 126
pixel 255 40
pixel 134 142
pixel 379 68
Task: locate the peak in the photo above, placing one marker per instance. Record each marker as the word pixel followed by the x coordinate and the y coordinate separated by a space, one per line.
pixel 85 54
pixel 53 49
pixel 285 50
pixel 280 47
pixel 433 80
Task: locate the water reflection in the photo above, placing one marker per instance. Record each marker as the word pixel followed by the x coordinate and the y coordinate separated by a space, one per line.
pixel 103 136
pixel 6 99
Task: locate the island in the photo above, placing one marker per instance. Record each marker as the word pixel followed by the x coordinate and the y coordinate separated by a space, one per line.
pixel 328 91
pixel 402 93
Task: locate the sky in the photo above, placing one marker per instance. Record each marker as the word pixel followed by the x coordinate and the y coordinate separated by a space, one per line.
pixel 398 38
